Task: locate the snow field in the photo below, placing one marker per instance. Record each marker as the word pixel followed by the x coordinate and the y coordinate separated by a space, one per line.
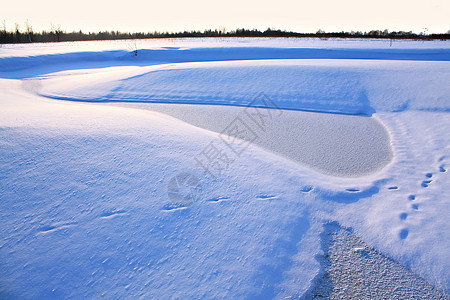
pixel 84 203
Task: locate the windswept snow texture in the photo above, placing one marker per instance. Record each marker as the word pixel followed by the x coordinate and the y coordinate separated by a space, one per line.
pixel 87 205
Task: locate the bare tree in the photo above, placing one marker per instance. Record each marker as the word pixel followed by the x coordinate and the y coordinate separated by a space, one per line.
pixel 56 32
pixel 132 45
pixel 17 32
pixel 29 30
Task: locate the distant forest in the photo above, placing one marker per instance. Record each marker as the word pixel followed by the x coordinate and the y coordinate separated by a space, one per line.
pixel 57 35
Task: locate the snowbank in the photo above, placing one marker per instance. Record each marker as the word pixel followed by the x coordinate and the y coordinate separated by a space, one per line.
pixel 331 86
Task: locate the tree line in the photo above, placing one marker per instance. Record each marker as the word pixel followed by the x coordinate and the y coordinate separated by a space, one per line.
pixel 56 34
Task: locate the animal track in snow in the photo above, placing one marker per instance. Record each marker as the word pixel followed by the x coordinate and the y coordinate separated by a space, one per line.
pixel 266 197
pixel 426 183
pixel 442 168
pixel 112 214
pixel 54 227
pixel 403 216
pixel 172 207
pixel 393 188
pixel 218 199
pixel 403 233
pixel 307 189
pixel 353 194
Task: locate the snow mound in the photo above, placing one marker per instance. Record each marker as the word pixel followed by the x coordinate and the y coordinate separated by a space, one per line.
pixel 331 86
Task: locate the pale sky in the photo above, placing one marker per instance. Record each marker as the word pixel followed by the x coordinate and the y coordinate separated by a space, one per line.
pixel 174 15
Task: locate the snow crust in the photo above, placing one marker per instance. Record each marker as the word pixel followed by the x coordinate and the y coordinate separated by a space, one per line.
pixel 362 145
